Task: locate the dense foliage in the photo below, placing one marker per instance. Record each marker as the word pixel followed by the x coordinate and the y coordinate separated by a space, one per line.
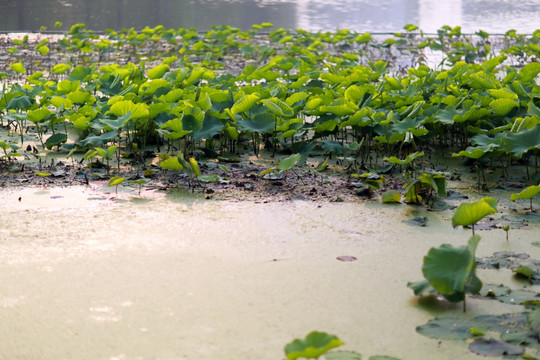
pixel 358 96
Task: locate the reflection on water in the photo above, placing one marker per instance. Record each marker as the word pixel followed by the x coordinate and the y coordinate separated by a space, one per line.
pixel 314 15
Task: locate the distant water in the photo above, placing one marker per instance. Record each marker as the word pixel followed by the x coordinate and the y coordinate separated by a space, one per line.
pixel 494 16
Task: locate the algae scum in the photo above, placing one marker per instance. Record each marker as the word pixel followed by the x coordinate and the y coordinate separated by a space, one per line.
pixel 407 135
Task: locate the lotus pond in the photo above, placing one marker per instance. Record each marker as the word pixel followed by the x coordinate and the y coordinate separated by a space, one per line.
pixel 359 157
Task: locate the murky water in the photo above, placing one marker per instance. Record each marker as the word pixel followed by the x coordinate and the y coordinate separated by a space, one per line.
pixel 315 15
pixel 88 275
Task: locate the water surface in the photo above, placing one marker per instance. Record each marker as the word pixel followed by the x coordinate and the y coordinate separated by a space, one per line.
pixel 494 16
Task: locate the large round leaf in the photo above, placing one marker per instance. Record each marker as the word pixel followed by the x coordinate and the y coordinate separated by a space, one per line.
pixel 527 193
pixel 469 213
pixel 451 270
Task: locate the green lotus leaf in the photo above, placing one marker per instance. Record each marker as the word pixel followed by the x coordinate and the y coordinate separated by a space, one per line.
pixel 407 160
pixel 60 68
pixel 528 72
pixel 55 139
pixel 527 193
pixel 523 141
pixel 342 355
pixel 452 271
pixel 38 115
pixel 121 108
pixel 492 347
pixel 20 102
pixel 43 50
pixel 66 86
pixel 116 180
pixel 192 123
pixel 289 162
pixel 96 140
pixel 447 329
pixel 149 88
pixel 245 103
pixel 80 72
pixel 296 98
pixel 482 80
pixel 420 287
pixel 211 126
pixel 79 97
pixel 18 68
pixel 158 71
pixel 470 213
pixel 195 75
pixel 208 178
pixel 278 107
pixel 503 94
pixel 328 125
pixel 333 147
pixel 314 345
pixel 261 123
pixel 503 106
pixel 171 163
pixel 391 196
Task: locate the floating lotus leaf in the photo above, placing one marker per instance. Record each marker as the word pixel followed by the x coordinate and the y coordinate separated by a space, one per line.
pixel 447 329
pixel 492 347
pixel 470 213
pixel 342 355
pixel 416 221
pixel 314 345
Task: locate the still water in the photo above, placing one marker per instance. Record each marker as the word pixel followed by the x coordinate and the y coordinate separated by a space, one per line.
pixel 494 16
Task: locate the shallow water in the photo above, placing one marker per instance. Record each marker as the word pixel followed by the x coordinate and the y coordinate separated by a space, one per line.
pixel 89 275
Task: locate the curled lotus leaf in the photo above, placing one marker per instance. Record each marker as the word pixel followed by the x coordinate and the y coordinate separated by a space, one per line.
pixel 314 345
pixel 451 271
pixel 527 193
